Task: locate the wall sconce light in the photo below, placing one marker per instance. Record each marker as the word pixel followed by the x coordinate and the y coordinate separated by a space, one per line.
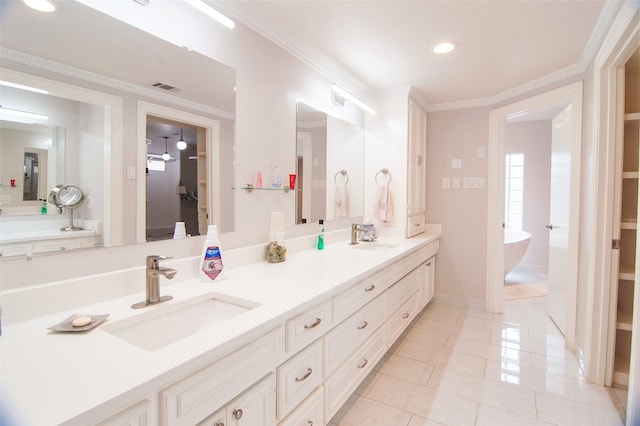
pixel 348 96
pixel 181 144
pixel 212 13
pixel 23 114
pixel 41 5
pixel 23 87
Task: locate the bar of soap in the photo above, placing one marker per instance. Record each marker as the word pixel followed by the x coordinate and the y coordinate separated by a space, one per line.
pixel 81 321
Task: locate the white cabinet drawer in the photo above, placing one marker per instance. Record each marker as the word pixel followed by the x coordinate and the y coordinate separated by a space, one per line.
pixel 403 290
pixel 195 397
pixel 360 294
pixel 309 413
pixel 343 340
pixel 308 326
pixel 415 225
pixel 400 319
pixel 411 262
pixel 298 377
pixel 346 379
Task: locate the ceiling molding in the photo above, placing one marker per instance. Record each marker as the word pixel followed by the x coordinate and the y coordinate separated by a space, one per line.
pixel 240 13
pixel 605 20
pixel 22 58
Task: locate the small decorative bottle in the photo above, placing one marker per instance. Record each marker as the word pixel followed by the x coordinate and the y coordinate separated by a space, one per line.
pixel 43 208
pixel 320 244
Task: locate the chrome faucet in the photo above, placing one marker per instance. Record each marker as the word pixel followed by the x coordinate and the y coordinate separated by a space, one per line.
pixel 355 229
pixel 154 270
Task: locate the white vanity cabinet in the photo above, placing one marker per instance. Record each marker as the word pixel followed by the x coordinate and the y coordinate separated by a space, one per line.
pixel 309 413
pixel 416 170
pixel 136 415
pixel 255 406
pixel 197 396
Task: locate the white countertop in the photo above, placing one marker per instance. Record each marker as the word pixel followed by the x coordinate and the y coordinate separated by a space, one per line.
pixel 56 378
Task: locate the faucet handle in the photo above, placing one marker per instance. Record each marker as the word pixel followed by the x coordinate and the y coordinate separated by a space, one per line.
pixel 153 261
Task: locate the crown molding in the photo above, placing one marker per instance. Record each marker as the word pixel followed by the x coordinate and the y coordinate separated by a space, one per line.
pixel 22 58
pixel 605 20
pixel 242 14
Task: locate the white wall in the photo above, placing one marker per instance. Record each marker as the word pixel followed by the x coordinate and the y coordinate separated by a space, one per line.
pixel 533 138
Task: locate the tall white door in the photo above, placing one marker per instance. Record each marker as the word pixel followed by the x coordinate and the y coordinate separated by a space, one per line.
pixel 559 218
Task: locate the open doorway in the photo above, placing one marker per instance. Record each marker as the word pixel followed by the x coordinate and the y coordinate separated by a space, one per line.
pixel 568 98
pixel 527 204
pixel 172 177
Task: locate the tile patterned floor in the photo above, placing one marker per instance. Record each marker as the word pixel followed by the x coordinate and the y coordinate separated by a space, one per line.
pixel 458 365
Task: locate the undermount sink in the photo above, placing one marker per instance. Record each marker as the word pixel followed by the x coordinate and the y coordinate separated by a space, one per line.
pixel 375 245
pixel 170 323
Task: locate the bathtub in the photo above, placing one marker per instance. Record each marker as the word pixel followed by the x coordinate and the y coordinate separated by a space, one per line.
pixel 515 246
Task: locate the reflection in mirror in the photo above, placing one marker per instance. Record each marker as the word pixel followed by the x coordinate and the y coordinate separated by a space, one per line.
pixel 129 65
pixel 188 203
pixel 31 172
pixel 329 165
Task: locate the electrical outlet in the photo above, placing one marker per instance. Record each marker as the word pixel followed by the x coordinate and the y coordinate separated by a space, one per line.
pixel 481 152
pixel 446 183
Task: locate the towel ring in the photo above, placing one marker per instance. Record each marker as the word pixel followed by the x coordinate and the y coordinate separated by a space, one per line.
pixel 341 172
pixel 384 171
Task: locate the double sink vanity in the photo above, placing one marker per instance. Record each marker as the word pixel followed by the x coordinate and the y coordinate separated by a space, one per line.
pixel 269 344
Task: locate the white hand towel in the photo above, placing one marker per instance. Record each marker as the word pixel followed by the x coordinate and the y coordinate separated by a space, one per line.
pixel 383 209
pixel 340 200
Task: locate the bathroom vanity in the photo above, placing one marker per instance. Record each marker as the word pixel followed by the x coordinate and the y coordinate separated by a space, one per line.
pixel 292 343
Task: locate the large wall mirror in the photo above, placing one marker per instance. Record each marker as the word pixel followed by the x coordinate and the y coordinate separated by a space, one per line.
pixel 329 165
pixel 87 50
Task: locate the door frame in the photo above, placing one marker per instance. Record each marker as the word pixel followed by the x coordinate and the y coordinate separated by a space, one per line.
pixel 212 142
pixel 621 39
pixel 495 187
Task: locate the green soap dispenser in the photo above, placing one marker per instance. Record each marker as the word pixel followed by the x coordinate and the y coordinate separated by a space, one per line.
pixel 43 208
pixel 321 235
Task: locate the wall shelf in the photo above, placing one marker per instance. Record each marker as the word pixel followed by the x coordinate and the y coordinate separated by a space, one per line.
pixel 250 188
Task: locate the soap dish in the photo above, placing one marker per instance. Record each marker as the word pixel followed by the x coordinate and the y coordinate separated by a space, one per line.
pixel 67 325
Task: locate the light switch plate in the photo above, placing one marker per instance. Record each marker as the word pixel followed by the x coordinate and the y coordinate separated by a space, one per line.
pixel 455 182
pixel 456 163
pixel 131 172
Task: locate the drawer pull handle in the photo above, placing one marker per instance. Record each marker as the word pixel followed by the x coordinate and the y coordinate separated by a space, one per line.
pixel 314 324
pixel 305 377
pixel 237 414
pixel 364 363
pixel 370 288
pixel 428 263
pixel 218 424
pixel 406 315
pixel 362 325
pixel 310 423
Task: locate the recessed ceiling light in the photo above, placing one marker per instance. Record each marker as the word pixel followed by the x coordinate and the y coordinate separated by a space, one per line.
pixel 41 5
pixel 444 47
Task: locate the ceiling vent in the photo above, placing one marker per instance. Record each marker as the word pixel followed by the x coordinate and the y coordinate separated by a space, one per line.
pixel 165 86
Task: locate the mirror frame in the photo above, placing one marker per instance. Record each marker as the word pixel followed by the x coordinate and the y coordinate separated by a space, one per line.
pixel 212 141
pixel 112 231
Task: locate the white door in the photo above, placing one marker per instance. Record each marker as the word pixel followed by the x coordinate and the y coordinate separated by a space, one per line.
pixel 559 218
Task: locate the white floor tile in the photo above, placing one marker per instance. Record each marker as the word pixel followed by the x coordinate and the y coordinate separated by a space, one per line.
pixel 459 365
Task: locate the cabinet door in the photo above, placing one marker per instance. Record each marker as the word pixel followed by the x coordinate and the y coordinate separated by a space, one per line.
pixel 428 282
pixel 256 406
pixel 416 169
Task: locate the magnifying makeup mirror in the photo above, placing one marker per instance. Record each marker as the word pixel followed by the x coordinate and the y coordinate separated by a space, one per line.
pixel 70 197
